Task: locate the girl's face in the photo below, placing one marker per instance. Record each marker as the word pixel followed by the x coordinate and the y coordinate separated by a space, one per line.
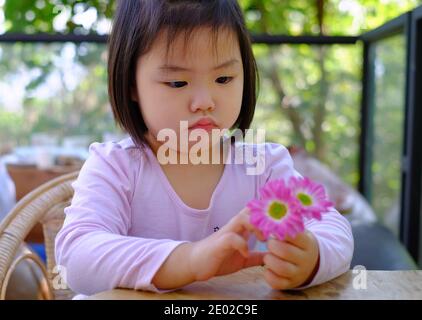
pixel 202 81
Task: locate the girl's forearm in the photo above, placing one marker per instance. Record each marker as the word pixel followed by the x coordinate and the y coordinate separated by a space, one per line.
pixel 176 271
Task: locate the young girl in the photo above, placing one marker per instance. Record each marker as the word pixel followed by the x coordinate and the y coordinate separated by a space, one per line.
pixel 136 222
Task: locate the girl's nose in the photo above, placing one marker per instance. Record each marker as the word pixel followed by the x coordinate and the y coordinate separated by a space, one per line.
pixel 202 101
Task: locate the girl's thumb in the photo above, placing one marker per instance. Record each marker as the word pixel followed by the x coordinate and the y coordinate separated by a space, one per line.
pixel 255 258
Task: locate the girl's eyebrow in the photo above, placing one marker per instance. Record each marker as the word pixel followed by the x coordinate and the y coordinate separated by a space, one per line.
pixel 174 68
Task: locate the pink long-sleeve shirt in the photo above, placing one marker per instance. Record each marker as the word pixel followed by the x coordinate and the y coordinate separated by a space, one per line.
pixel 125 218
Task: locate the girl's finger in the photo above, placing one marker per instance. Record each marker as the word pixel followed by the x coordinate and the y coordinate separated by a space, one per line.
pixel 256 258
pixel 241 222
pixel 245 234
pixel 301 240
pixel 230 241
pixel 276 282
pixel 280 267
pixel 285 251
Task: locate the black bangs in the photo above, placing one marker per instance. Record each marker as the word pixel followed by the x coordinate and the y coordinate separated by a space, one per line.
pixel 184 17
pixel 138 23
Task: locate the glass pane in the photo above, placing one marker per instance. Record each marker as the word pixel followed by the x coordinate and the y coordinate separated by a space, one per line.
pixel 61 90
pixel 57 89
pixel 389 99
pixel 301 84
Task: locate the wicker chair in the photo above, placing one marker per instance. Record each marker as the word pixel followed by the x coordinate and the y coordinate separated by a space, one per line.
pixel 46 205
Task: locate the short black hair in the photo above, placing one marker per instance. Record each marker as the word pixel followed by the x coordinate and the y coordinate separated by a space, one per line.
pixel 137 24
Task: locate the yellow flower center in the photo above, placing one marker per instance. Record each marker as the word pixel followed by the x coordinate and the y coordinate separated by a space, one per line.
pixel 277 210
pixel 304 199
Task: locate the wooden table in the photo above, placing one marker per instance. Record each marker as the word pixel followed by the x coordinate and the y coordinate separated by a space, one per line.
pixel 249 284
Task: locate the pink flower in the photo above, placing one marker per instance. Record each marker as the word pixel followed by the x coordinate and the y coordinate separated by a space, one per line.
pixel 282 207
pixel 277 211
pixel 311 196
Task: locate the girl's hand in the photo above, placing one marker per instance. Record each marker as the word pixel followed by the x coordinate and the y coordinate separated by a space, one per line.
pixel 291 263
pixel 226 251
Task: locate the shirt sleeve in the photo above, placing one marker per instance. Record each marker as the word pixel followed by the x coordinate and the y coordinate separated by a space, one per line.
pixel 333 232
pixel 93 245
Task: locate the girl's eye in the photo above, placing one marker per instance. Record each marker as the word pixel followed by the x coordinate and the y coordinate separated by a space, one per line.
pixel 223 80
pixel 176 84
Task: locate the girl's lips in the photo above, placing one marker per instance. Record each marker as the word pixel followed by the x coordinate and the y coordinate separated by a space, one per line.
pixel 206 123
pixel 207 127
